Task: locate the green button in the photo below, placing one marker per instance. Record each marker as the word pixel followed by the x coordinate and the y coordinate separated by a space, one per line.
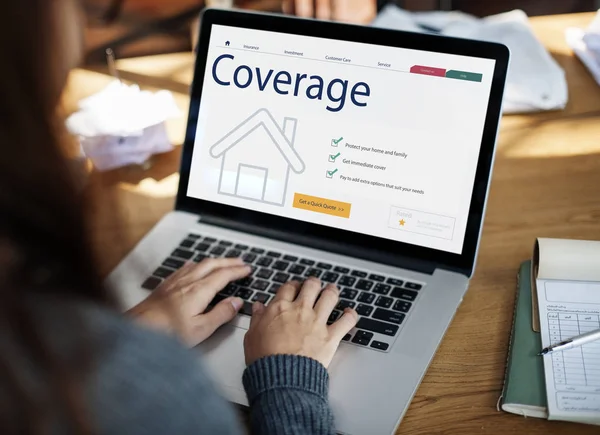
pixel 464 75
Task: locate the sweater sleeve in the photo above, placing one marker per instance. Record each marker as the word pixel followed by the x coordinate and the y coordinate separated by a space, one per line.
pixel 288 395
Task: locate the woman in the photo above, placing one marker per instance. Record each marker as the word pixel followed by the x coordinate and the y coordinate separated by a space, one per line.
pixel 69 362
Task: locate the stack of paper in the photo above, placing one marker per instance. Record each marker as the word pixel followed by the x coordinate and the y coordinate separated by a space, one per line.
pixel 535 81
pixel 586 45
pixel 122 125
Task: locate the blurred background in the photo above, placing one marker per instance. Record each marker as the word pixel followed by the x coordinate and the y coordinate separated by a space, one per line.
pixel 144 27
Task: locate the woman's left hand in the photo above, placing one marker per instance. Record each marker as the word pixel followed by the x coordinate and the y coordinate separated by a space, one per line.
pixel 178 304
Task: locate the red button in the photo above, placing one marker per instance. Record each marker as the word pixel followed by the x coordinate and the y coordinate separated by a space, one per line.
pixel 428 70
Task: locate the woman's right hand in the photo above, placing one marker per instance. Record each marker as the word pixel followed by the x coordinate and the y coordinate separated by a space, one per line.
pixel 294 324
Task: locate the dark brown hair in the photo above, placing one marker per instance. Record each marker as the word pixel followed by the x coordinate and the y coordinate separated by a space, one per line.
pixel 44 247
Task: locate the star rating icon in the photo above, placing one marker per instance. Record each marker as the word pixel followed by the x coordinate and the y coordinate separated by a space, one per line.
pixel 402 222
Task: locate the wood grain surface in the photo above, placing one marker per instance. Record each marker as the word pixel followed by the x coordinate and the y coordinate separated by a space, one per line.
pixel 546 183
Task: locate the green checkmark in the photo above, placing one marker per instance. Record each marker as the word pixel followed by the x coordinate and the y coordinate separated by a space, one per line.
pixel 337 141
pixel 331 173
pixel 333 157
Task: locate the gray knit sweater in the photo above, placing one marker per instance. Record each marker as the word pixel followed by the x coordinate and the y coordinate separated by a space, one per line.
pixel 148 383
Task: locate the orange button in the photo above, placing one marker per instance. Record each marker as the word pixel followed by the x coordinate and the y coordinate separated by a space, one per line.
pixel 322 205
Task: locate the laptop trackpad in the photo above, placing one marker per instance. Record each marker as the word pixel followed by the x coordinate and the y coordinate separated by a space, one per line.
pixel 223 354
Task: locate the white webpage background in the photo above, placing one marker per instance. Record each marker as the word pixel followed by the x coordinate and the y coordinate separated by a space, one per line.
pixel 437 121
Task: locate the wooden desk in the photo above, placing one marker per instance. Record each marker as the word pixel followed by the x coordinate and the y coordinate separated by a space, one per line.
pixel 546 183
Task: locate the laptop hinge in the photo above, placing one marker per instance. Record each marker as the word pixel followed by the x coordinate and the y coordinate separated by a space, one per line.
pixel 325 245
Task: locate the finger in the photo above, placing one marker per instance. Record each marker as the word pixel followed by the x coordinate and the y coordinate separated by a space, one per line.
pixel 200 293
pixel 223 312
pixel 258 310
pixel 309 292
pixel 208 266
pixel 323 11
pixel 304 8
pixel 327 302
pixel 287 292
pixel 342 326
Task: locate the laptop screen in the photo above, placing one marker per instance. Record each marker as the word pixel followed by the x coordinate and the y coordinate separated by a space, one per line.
pixel 377 140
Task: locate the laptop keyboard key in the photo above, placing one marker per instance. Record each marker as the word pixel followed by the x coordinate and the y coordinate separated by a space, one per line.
pixel 348 293
pixel 413 286
pixel 401 306
pixel 296 269
pixel 209 240
pixel 281 277
pixel 300 279
pixel 260 284
pixel 407 295
pixel 384 302
pixel 377 326
pixel 382 289
pixel 347 281
pixel 182 253
pixel 187 243
pixel 343 304
pixel 244 282
pixel 274 287
pixel 244 293
pixel 335 314
pixel 290 258
pixel 280 265
pixel 257 250
pixel 241 247
pixel 163 272
pixel 363 284
pixel 313 272
pixel 202 247
pixel 264 261
pixel 395 281
pixel 388 316
pixel 151 283
pixel 359 273
pixel 341 269
pixel 261 297
pixel 365 297
pixel 347 337
pixel 330 277
pixel 364 310
pixel 378 278
pixel 273 254
pixel 233 253
pixel 246 309
pixel 380 345
pixel 173 263
pixel 248 258
pixel 225 243
pixel 217 250
pixel 193 236
pixel 229 290
pixel 264 273
pixel 325 266
pixel 307 262
pixel 362 337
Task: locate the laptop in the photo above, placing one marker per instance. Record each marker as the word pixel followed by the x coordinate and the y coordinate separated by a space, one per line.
pixel 357 155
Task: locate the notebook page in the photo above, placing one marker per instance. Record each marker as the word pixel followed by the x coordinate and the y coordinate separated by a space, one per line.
pixel 568 309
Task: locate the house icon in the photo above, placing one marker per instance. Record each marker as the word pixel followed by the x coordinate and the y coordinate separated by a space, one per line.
pixel 256 158
pixel 227 43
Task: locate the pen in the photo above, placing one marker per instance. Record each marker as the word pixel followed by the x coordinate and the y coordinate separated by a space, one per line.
pixel 580 340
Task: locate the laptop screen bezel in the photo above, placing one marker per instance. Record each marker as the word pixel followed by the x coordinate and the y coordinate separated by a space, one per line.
pixel 349 242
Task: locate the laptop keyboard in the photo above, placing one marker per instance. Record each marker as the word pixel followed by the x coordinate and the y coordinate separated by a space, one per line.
pixel 381 301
